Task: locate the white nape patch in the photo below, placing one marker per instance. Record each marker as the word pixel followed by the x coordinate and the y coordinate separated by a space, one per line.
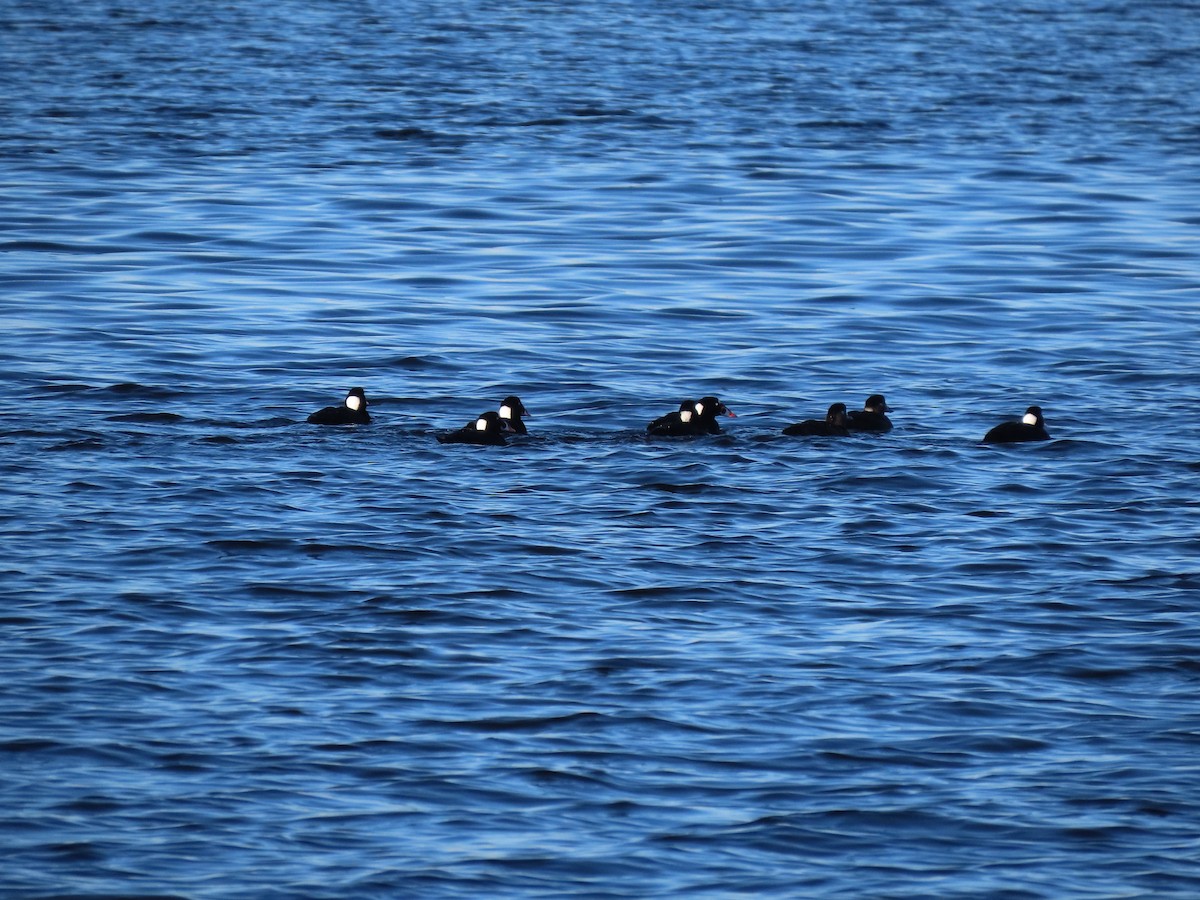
pixel 352 402
pixel 685 416
pixel 481 425
pixel 1029 419
pixel 506 412
pixel 699 407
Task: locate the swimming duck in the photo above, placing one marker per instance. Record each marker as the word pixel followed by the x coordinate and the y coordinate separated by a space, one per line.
pixel 834 424
pixel 676 423
pixel 872 417
pixel 488 430
pixel 353 411
pixel 511 411
pixel 692 419
pixel 1032 427
pixel 707 410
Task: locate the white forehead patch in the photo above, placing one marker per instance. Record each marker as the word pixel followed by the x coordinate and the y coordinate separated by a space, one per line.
pixel 685 416
pixel 352 402
pixel 1029 419
pixel 506 412
pixel 481 424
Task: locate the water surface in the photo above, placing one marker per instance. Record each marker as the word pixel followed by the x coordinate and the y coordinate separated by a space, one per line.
pixel 245 656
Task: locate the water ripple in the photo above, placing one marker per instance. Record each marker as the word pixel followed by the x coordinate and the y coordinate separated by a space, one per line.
pixel 248 655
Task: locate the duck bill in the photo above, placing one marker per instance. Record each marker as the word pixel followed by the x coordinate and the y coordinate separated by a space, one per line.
pixel 730 413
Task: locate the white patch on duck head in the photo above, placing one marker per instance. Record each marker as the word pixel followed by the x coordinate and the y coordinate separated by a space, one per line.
pixel 353 401
pixel 1029 419
pixel 506 412
pixel 699 407
pixel 481 424
pixel 685 415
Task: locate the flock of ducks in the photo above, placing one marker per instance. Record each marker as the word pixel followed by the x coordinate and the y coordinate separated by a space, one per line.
pixel 692 419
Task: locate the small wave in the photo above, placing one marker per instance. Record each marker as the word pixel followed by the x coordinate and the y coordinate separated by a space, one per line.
pixel 33 246
pixel 149 418
pixel 501 724
pixel 421 135
pixel 697 487
pixel 70 388
pixel 142 391
pixel 81 444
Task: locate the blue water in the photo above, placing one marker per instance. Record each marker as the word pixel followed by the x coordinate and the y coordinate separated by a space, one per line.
pixel 243 656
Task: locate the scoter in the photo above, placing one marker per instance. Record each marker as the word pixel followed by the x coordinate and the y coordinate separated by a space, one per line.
pixel 834 424
pixel 1032 427
pixel 488 431
pixel 700 419
pixel 676 423
pixel 707 410
pixel 511 411
pixel 353 411
pixel 872 417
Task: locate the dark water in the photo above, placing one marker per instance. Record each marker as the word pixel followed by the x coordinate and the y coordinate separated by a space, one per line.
pixel 247 657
